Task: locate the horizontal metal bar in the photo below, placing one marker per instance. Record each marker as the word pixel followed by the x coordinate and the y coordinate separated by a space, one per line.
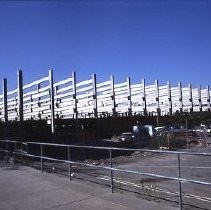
pixel 12 92
pixel 112 148
pixel 106 167
pixel 122 149
pixel 63 82
pixel 106 83
pixel 86 82
pixel 122 170
pixel 36 82
pixel 10 141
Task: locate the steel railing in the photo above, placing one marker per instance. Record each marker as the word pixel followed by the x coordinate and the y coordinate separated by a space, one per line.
pixel 21 148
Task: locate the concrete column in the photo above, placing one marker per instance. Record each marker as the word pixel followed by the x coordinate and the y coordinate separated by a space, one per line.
pixel 113 96
pixel 169 97
pixel 190 98
pixel 38 102
pixel 5 100
pixel 157 97
pixel 31 100
pixel 52 101
pixel 20 96
pixel 144 97
pixel 94 83
pixel 38 90
pixel 180 97
pixel 199 98
pixel 129 96
pixel 208 98
pixel 75 110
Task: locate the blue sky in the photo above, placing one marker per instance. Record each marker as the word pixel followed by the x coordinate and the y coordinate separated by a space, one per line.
pixel 164 40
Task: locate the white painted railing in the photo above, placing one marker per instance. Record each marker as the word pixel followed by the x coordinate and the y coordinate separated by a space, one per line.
pixel 71 99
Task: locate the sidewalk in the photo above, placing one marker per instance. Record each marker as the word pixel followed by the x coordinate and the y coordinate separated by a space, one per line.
pixel 25 188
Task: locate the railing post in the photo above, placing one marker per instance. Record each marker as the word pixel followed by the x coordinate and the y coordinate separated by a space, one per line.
pixel 179 181
pixel 26 148
pixel 186 132
pixel 14 152
pixel 7 156
pixel 41 158
pixel 111 171
pixel 69 164
pixel 21 152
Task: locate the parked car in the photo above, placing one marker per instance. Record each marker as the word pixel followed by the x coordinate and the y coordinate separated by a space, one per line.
pixel 127 137
pixel 209 131
pixel 160 130
pixel 202 129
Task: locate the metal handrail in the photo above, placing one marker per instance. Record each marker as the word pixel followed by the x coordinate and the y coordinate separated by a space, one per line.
pixel 123 149
pixel 179 179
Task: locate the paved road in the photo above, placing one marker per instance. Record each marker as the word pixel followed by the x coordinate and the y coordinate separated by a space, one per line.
pixel 193 167
pixel 26 188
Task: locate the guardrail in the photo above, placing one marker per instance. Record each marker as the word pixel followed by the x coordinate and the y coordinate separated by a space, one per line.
pixel 16 147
